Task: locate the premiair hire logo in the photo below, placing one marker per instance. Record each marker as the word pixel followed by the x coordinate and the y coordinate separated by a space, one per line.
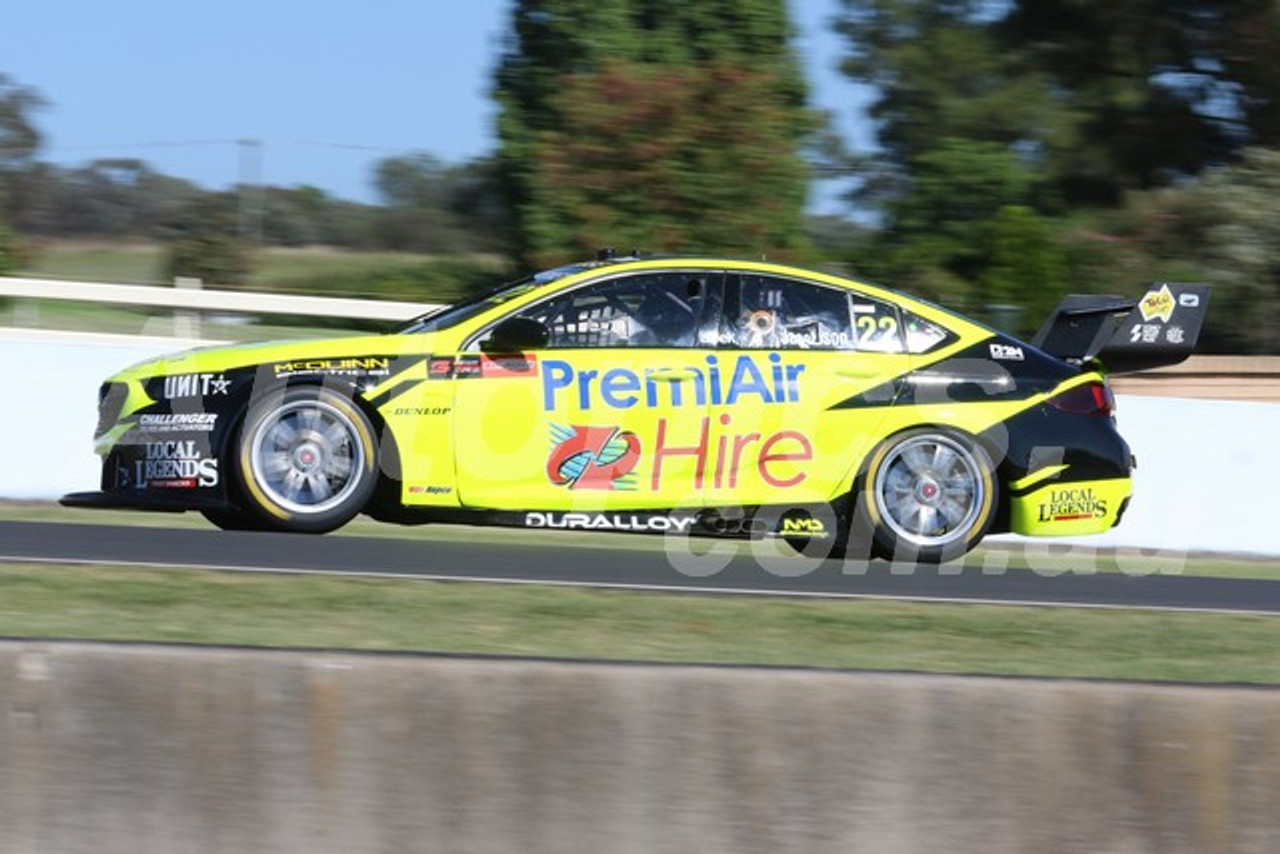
pixel 593 457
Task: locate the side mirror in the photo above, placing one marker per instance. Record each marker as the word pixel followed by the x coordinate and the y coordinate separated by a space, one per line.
pixel 517 334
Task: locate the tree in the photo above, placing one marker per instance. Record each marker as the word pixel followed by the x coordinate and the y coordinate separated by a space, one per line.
pixel 652 122
pixel 19 142
pixel 1241 247
pixel 205 242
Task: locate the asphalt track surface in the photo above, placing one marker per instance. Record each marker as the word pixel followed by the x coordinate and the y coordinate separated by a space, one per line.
pixel 489 556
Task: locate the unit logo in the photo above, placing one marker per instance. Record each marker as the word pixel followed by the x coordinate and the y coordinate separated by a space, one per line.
pixel 1157 304
pixel 195 385
pixel 593 457
pixel 1071 505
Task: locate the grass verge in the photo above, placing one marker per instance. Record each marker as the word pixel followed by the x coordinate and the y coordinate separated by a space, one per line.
pixel 110 603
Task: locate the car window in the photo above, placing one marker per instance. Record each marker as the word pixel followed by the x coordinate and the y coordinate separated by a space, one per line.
pixel 923 335
pixel 772 313
pixel 647 310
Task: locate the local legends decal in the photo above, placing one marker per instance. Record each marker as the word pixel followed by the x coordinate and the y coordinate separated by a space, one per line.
pixel 171 465
pixel 593 457
pixel 1070 505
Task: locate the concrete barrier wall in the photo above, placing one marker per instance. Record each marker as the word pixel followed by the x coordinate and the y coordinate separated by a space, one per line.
pixel 1202 482
pixel 151 749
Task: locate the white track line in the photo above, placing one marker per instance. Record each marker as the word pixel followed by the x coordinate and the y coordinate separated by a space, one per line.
pixel 641 588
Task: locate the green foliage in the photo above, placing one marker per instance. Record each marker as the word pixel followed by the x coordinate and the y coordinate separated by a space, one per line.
pixel 206 244
pixel 649 122
pixel 10 260
pixel 1240 205
pixel 1025 266
pixel 19 142
pixel 1024 145
pixel 654 157
pixel 444 280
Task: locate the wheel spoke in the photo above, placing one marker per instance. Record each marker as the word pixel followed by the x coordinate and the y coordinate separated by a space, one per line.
pixel 336 435
pixel 293 482
pixel 952 511
pixel 319 485
pixel 916 460
pixel 338 467
pixel 281 435
pixel 276 462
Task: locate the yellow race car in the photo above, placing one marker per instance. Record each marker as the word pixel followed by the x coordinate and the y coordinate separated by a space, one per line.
pixel 669 395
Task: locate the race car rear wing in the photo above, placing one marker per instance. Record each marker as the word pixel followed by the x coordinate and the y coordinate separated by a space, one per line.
pixel 1124 335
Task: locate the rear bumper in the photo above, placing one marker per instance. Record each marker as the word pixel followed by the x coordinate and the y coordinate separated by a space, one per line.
pixel 1065 509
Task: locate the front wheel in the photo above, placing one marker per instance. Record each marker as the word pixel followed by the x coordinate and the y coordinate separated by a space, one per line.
pixel 306 460
pixel 927 495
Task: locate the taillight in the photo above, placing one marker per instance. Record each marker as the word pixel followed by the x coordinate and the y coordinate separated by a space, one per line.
pixel 1089 399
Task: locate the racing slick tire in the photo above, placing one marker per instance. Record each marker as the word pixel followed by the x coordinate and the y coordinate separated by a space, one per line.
pixel 232 519
pixel 927 495
pixel 305 460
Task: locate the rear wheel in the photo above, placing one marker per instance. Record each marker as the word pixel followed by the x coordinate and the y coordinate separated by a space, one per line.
pixel 305 461
pixel 927 495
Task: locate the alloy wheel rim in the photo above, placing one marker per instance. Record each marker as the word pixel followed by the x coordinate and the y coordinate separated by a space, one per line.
pixel 306 456
pixel 930 491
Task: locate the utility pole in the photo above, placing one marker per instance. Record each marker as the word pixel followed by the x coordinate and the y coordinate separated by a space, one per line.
pixel 251 191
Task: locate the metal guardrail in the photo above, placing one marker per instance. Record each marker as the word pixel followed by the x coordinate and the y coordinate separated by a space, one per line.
pixel 189 296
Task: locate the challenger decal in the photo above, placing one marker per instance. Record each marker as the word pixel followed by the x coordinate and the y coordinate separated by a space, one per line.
pixel 186 422
pixel 622 388
pixel 593 457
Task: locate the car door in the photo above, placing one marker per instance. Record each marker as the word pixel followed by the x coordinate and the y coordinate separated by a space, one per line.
pixel 810 372
pixel 582 423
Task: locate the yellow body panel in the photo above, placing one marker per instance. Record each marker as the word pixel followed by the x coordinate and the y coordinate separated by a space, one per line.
pixel 1062 509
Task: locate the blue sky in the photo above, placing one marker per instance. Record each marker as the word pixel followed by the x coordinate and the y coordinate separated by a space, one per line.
pixel 328 86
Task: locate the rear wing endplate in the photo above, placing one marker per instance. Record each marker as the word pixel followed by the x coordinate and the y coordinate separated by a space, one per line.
pixel 1159 329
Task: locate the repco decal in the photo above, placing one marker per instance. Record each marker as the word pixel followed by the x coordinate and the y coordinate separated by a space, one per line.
pixel 593 457
pixel 1069 505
